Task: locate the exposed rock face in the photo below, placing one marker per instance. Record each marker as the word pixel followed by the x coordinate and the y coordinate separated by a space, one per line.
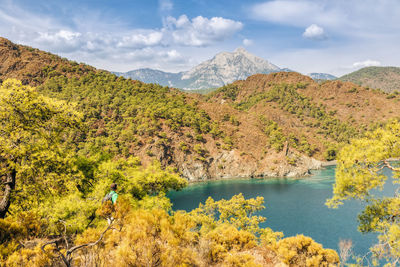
pixel 229 164
pixel 224 68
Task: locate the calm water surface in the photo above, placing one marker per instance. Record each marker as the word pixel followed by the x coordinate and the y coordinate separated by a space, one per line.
pixel 293 206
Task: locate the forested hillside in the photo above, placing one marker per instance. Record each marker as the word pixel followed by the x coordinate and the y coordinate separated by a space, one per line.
pixel 386 79
pixel 267 125
pixel 312 118
pixel 33 66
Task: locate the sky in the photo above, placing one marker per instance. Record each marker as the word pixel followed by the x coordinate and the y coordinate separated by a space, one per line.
pixel 329 36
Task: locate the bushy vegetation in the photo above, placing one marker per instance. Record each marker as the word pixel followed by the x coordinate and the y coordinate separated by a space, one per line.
pixel 277 138
pixel 306 110
pixel 275 134
pixel 303 251
pixel 229 91
pixel 288 99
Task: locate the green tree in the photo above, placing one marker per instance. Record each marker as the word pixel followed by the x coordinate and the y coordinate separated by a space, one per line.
pixel 35 146
pixel 360 170
pixel 238 212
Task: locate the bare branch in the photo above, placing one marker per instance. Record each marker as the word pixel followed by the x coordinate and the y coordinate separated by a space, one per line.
pixel 71 250
pixel 67 257
pixel 54 241
pixel 387 164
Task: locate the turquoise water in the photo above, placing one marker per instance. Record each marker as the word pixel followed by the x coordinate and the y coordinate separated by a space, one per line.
pixel 293 206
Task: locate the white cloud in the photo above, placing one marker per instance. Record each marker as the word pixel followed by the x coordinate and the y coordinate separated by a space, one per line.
pixel 314 32
pixel 141 39
pixel 174 55
pixel 366 63
pixel 149 57
pixel 200 31
pixel 62 40
pixel 61 35
pixel 247 42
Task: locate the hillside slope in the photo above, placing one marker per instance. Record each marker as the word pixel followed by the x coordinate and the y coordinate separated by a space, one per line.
pixel 313 118
pixel 33 66
pixel 384 78
pixel 266 125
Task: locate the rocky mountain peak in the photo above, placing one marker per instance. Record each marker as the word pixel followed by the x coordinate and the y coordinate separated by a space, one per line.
pixel 227 67
pixel 240 50
pixel 223 68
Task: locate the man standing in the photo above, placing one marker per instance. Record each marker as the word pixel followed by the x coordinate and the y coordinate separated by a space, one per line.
pixel 112 197
pixel 113 194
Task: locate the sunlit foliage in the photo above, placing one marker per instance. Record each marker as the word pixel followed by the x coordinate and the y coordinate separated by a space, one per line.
pixel 37 136
pixel 359 172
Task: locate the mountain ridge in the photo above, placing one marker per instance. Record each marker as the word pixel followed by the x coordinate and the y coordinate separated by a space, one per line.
pixel 32 66
pixel 385 78
pixel 321 76
pixel 223 68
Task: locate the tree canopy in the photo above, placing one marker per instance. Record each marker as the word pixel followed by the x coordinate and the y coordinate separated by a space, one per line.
pixel 36 146
pixel 360 172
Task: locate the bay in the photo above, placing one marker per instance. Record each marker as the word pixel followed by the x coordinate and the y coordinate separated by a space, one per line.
pixel 293 206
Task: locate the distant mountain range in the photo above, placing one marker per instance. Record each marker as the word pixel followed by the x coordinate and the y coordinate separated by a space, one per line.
pixel 385 78
pixel 322 76
pixel 155 76
pixel 222 69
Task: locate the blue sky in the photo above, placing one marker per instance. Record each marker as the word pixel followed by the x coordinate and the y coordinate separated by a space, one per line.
pixel 333 36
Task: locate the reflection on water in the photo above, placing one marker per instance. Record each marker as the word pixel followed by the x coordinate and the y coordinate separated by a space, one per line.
pixel 293 206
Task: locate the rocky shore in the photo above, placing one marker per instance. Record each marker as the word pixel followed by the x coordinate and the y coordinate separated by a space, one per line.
pixel 229 164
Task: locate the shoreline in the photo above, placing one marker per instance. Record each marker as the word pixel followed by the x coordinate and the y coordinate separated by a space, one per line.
pixel 329 163
pixel 323 165
pixel 190 182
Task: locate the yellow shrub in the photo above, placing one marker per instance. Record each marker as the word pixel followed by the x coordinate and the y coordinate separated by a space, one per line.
pixel 145 238
pixel 304 251
pixel 31 257
pixel 226 239
pixel 25 225
pixel 240 260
